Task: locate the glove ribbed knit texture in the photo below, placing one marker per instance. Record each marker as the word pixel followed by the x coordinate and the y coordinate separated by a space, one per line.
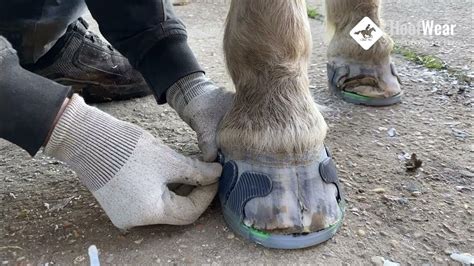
pixel 92 143
pixel 186 89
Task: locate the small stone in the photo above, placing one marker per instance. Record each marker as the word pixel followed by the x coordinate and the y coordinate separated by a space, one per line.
pixel 390 263
pixel 139 241
pixel 392 132
pixel 377 261
pixel 402 201
pixel 412 187
pixel 79 259
pixel 231 236
pixel 361 233
pixel 459 133
pixel 394 243
pixel 417 235
pixel 462 189
pixel 379 190
pixel 448 251
pixel 404 156
pixel 464 258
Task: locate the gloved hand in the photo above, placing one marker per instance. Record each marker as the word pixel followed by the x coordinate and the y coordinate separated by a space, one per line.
pixel 202 105
pixel 128 170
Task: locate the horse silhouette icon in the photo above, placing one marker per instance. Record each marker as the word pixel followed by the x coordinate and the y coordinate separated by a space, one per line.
pixel 367 33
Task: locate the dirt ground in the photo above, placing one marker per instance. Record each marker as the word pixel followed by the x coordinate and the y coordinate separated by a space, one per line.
pixel 414 218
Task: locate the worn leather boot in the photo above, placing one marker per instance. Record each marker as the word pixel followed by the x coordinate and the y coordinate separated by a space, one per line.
pixel 91 66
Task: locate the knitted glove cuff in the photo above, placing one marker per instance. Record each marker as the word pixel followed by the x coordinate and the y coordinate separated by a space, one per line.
pixel 186 89
pixel 94 144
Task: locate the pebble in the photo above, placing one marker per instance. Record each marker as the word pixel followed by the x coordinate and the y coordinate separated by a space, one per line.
pixel 448 251
pixel 79 259
pixel 394 243
pixel 390 263
pixel 361 233
pixel 417 235
pixel 459 133
pixel 379 190
pixel 230 236
pixel 462 188
pixel 464 258
pixel 412 187
pixel 377 260
pixel 404 156
pixel 392 132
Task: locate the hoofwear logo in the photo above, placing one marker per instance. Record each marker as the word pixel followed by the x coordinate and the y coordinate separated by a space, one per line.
pixel 366 33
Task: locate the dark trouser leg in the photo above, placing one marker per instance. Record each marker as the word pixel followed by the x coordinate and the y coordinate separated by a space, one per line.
pixel 33 26
pixel 28 103
pixel 151 36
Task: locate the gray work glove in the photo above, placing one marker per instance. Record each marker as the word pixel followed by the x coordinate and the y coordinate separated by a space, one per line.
pixel 128 170
pixel 202 105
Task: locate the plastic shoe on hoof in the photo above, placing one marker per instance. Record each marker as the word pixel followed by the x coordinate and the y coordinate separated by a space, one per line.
pixel 282 203
pixel 365 85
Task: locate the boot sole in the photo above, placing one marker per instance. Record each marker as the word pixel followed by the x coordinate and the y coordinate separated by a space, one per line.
pixel 93 92
pixel 358 99
pixel 277 241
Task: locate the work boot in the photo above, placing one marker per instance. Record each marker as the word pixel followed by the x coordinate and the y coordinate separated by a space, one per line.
pixel 81 59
